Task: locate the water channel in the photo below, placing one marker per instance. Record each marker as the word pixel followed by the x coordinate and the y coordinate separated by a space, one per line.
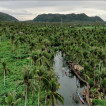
pixel 69 83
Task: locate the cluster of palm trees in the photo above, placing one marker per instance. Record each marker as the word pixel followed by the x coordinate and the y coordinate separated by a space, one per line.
pixel 38 43
pixel 33 43
pixel 87 48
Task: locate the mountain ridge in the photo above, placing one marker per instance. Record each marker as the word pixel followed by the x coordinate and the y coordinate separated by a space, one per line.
pixel 55 18
pixel 66 18
pixel 7 17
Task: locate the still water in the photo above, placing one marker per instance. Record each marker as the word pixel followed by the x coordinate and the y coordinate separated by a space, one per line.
pixel 69 83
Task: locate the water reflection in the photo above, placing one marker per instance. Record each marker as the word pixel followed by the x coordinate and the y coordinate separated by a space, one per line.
pixel 69 83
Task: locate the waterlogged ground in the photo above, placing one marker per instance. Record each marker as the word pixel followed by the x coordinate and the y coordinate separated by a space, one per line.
pixel 69 83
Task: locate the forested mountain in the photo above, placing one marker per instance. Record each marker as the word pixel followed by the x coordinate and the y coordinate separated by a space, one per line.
pixel 55 18
pixel 66 18
pixel 6 17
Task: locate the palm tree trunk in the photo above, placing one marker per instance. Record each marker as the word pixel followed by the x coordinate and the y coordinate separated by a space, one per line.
pixel 4 77
pixel 82 51
pixel 77 58
pixel 13 47
pixel 39 91
pixel 20 54
pixel 31 62
pixel 20 51
pixel 38 96
pixel 0 39
pixel 94 78
pixel 17 55
pixel 100 75
pixel 46 98
pixel 26 96
pixel 52 102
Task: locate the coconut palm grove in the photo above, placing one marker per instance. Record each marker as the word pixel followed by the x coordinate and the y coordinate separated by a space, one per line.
pixel 27 52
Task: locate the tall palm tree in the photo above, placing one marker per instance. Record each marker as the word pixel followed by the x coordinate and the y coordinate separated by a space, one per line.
pixel 4 70
pixel 41 76
pixel 12 41
pixel 0 36
pixel 47 84
pixel 28 81
pixel 54 97
pixel 16 42
pixel 21 40
pixel 35 56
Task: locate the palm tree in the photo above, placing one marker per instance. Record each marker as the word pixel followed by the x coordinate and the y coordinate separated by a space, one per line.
pixel 5 70
pixel 47 84
pixel 28 81
pixel 35 56
pixel 11 99
pixel 54 97
pixel 41 76
pixel 43 58
pixel 32 45
pixel 46 42
pixel 12 41
pixel 0 36
pixel 16 42
pixel 21 40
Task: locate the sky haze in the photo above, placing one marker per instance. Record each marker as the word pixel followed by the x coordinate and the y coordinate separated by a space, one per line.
pixel 29 9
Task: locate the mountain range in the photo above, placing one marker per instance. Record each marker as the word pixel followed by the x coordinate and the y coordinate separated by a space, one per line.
pixel 56 18
pixel 6 17
pixel 66 18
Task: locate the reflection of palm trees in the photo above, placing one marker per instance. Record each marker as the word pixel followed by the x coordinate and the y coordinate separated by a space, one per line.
pixel 71 75
pixel 75 98
pixel 82 85
pixel 63 70
pixel 77 83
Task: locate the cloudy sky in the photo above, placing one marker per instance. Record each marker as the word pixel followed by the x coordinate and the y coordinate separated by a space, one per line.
pixel 29 9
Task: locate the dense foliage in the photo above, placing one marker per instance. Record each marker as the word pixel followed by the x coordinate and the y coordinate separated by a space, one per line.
pixel 27 51
pixel 6 17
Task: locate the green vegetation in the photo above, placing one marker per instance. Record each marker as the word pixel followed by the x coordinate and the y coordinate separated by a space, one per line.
pixel 27 51
pixel 6 17
pixel 99 102
pixel 73 18
pixel 66 18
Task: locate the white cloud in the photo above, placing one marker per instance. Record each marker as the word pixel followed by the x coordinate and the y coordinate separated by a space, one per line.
pixel 27 10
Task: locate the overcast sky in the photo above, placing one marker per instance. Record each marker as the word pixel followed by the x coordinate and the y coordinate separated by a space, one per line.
pixel 27 10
